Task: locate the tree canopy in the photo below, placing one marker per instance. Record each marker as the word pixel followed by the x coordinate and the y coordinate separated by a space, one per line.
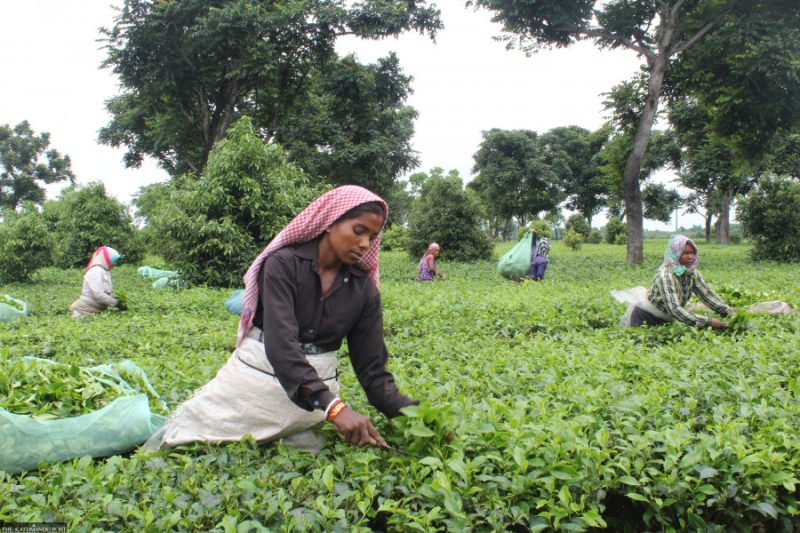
pixel 514 175
pixel 189 69
pixel 26 164
pixel 353 127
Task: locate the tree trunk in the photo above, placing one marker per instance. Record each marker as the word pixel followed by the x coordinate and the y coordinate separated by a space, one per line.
pixel 632 191
pixel 708 227
pixel 724 232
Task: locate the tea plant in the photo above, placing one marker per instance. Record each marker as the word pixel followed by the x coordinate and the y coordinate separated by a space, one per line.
pixel 537 412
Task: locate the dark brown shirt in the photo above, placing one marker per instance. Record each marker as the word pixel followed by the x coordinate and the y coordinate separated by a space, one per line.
pixel 292 310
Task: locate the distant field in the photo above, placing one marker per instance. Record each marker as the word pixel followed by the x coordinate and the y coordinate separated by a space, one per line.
pixel 561 420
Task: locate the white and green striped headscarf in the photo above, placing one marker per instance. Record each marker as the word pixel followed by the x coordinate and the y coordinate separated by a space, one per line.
pixel 673 253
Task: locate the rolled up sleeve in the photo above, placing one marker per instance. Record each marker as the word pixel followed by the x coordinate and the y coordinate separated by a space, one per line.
pixel 711 298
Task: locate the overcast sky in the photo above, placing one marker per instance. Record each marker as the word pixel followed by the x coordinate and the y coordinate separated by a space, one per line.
pixel 464 83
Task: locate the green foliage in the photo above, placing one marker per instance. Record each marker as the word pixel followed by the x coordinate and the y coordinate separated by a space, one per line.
pixel 212 228
pixel 354 127
pixel 190 69
pixel 540 228
pixel 47 390
pixel 659 202
pixel 615 229
pixel 574 155
pixel 25 244
pixel 745 74
pixel 395 238
pixel 577 223
pixel 84 218
pixel 26 165
pixel 573 239
pixel 448 215
pixel 537 412
pixel 768 215
pixel 514 177
pixel 594 237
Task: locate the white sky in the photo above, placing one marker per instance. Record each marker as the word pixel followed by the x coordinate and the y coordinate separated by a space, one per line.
pixel 463 84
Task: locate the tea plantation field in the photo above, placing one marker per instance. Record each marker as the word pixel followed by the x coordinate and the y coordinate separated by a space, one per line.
pixel 561 421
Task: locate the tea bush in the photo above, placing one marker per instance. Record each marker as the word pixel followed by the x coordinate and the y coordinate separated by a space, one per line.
pixel 558 419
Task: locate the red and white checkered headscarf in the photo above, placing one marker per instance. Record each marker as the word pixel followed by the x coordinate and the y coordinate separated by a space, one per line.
pixel 309 224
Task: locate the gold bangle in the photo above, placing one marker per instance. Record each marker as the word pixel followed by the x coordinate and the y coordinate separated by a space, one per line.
pixel 338 408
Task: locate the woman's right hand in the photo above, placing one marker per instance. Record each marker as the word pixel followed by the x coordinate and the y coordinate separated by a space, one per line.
pixel 716 324
pixel 357 429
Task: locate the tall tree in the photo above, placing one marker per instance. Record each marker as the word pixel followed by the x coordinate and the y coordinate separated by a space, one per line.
pixel 625 102
pixel 188 69
pixel 658 31
pixel 742 84
pixel 573 154
pixel 707 165
pixel 354 126
pixel 514 174
pixel 26 164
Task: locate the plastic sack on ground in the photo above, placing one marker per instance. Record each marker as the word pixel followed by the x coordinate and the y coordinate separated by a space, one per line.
pixel 118 427
pixel 154 273
pixel 12 308
pixel 235 302
pixel 516 263
pixel 173 282
pixel 773 307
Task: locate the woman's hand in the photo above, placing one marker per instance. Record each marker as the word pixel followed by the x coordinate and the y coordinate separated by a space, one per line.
pixel 357 429
pixel 716 324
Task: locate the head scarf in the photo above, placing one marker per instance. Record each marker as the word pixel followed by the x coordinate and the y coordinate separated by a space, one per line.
pixel 104 256
pixel 309 224
pixel 672 256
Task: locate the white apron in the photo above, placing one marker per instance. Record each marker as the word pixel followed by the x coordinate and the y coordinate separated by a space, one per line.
pixel 244 398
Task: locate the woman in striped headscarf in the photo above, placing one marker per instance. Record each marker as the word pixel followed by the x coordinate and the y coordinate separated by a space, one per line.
pixel 313 286
pixel 673 285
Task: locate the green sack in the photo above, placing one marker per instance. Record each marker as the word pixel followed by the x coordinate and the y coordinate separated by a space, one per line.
pixel 118 427
pixel 173 282
pixel 516 263
pixel 12 309
pixel 154 273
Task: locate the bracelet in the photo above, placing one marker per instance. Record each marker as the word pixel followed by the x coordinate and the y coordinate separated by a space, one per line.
pixel 331 404
pixel 338 408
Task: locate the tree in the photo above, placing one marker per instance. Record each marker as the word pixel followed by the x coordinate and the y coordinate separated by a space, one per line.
pixel 25 244
pixel 659 31
pixel 769 217
pixel 707 165
pixel 354 126
pixel 577 224
pixel 27 164
pixel 733 97
pixel 83 218
pixel 573 154
pixel 449 215
pixel 615 231
pixel 514 175
pixel 212 228
pixel 189 69
pixel 660 202
pixel 149 199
